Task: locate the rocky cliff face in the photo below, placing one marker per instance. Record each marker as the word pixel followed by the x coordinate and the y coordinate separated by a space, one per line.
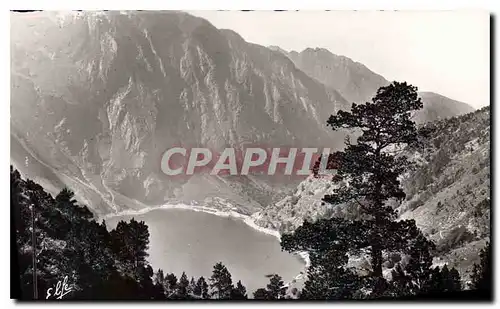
pixel 448 195
pixel 98 97
pixel 357 83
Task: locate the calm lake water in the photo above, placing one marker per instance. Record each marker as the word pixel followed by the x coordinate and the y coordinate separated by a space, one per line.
pixel 190 241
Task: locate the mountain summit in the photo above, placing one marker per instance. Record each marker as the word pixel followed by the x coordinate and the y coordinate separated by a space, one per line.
pixel 352 79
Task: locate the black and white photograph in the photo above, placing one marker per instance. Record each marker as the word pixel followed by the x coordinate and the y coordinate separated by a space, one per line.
pixel 252 155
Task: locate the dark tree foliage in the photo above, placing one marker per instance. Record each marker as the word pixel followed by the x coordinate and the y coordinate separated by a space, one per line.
pixel 276 287
pixel 170 284
pixel 159 277
pixel 453 283
pixel 65 200
pixel 370 166
pixel 261 294
pixel 328 242
pixel 331 280
pixel 420 279
pixel 481 273
pixel 182 287
pixel 369 171
pixel 325 240
pixel 401 284
pixel 201 289
pixel 191 286
pixel 69 242
pixel 240 292
pixel 450 280
pixel 419 266
pixel 99 264
pixel 130 244
pixel 221 283
pixel 331 164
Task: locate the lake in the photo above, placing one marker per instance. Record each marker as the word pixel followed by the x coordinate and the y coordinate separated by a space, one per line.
pixel 192 241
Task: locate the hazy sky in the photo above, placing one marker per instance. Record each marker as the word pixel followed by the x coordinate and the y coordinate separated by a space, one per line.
pixel 440 51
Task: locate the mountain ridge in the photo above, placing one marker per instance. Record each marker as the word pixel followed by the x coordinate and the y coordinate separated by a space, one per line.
pixel 358 84
pixel 100 97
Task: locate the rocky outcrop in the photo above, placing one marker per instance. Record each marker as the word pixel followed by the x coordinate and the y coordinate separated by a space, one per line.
pixel 97 97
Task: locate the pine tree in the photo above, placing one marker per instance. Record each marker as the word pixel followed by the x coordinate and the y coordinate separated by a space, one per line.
pixel 146 287
pixel 170 285
pixel 331 164
pixel 369 170
pixel 70 242
pixel 221 283
pixel 444 280
pixel 261 294
pixel 401 283
pixel 481 273
pixel 436 283
pixel 201 288
pixel 182 287
pixel 370 166
pixel 65 200
pixel 240 292
pixel 453 282
pixel 159 282
pixel 181 291
pixel 420 263
pixel 276 287
pixel 327 241
pixel 192 286
pixel 130 244
pixel 417 277
pixel 330 283
pixel 159 277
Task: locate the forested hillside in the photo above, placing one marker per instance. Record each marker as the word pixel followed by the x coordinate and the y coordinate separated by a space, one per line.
pixel 88 260
pixel 378 253
pixel 103 264
pixel 447 194
pixel 91 262
pixel 69 242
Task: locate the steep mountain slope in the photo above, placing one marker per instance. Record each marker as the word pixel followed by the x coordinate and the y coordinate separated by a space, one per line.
pixel 357 83
pixel 448 195
pixel 96 98
pixel 437 107
pixel 352 79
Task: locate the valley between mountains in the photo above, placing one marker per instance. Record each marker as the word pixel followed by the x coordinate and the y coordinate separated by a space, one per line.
pixel 94 107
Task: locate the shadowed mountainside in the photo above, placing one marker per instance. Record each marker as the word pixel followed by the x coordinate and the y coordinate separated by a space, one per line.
pixel 97 97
